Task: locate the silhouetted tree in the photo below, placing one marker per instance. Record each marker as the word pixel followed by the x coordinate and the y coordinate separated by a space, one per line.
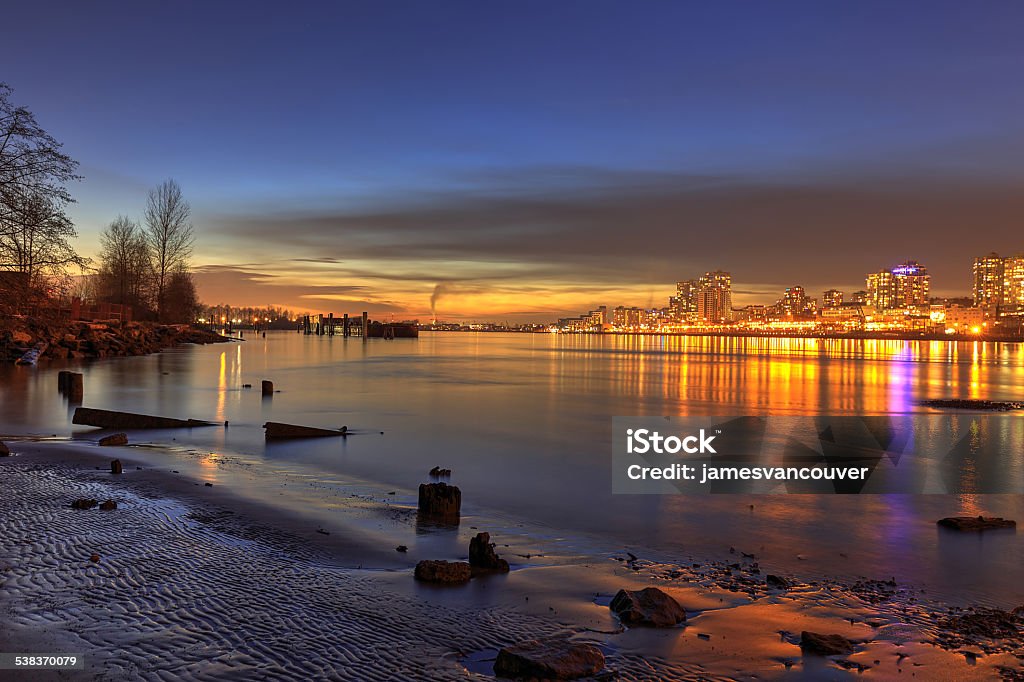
pixel 125 271
pixel 169 236
pixel 182 301
pixel 36 238
pixel 31 161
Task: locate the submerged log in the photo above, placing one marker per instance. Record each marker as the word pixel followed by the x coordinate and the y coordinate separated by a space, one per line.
pixel 976 523
pixel 277 430
pixel 111 419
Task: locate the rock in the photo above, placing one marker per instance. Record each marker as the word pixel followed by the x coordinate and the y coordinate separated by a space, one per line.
pixel 109 505
pixel 976 523
pixel 4 450
pixel 402 548
pixel 114 439
pixel 549 659
pixel 83 503
pixel 22 338
pixel 115 466
pixel 825 645
pixel 95 558
pixel 208 484
pixel 985 623
pixel 445 572
pixel 482 556
pixel 777 582
pixel 649 606
pixel 440 500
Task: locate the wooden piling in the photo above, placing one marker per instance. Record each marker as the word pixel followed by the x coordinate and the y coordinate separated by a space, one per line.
pixel 63 380
pixel 75 386
pixel 344 326
pixel 364 326
pixel 268 387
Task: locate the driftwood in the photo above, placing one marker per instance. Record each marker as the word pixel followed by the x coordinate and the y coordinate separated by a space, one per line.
pixel 277 430
pixel 111 419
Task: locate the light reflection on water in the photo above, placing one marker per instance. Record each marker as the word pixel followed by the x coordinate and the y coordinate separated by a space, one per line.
pixel 524 422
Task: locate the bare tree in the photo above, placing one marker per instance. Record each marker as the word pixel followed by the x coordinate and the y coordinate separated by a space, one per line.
pixel 36 237
pixel 31 160
pixel 169 235
pixel 124 265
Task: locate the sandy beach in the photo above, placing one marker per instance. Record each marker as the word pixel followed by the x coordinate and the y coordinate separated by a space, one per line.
pixel 205 582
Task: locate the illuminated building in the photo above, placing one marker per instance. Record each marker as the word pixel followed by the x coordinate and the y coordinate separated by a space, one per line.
pixel 988 282
pixel 859 297
pixel 683 306
pixel 833 298
pixel 1013 285
pixel 905 286
pixel 714 297
pixel 879 290
pixel 634 318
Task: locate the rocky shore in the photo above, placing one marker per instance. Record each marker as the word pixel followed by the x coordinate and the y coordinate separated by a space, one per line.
pixel 78 339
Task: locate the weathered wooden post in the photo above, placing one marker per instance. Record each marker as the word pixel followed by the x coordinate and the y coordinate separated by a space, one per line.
pixel 63 380
pixel 76 387
pixel 268 388
pixel 344 326
pixel 115 466
pixel 330 324
pixel 365 328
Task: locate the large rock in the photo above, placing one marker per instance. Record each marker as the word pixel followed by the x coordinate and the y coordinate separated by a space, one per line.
pixel 825 645
pixel 649 606
pixel 444 572
pixel 4 450
pixel 114 439
pixel 440 500
pixel 83 503
pixel 976 523
pixel 482 557
pixel 550 659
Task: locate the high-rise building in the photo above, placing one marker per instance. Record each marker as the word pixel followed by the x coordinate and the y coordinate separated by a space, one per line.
pixel 714 297
pixel 793 302
pixel 988 282
pixel 1013 285
pixel 879 290
pixel 684 304
pixel 832 298
pixel 905 286
pixel 911 284
pixel 859 297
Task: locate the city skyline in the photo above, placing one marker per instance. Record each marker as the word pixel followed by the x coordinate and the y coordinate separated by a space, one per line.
pixel 535 163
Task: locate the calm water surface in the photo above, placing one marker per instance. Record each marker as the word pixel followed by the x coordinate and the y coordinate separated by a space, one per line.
pixel 524 420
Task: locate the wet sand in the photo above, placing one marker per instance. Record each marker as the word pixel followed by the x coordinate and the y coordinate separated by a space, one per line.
pixel 198 582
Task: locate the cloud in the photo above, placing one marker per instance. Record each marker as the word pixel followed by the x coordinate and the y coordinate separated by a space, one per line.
pixel 588 234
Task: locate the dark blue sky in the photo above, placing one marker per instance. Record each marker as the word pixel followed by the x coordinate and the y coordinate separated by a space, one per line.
pixel 591 151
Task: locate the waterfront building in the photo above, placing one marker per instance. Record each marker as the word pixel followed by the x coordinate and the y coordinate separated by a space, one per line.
pixel 832 298
pixel 714 297
pixel 988 282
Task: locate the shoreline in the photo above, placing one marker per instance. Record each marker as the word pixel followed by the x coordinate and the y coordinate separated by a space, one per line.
pixel 205 580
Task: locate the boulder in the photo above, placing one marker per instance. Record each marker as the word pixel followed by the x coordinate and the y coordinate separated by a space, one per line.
pixel 549 659
pixel 482 556
pixel 649 606
pixel 114 439
pixel 975 523
pixel 109 505
pixel 4 450
pixel 777 582
pixel 115 466
pixel 83 503
pixel 444 572
pixel 825 645
pixel 440 500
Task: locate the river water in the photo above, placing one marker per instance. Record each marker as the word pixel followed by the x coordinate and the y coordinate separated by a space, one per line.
pixel 524 421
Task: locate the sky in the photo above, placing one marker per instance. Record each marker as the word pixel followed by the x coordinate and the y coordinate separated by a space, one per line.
pixel 526 160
